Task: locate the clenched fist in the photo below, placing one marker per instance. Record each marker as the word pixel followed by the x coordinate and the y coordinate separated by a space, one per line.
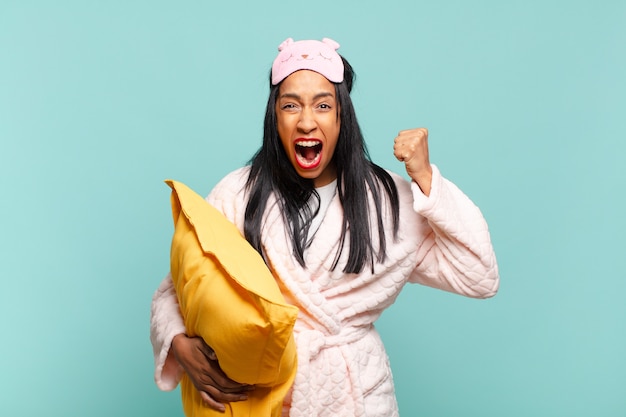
pixel 411 147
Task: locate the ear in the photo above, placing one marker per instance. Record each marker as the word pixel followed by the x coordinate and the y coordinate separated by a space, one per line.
pixel 331 43
pixel 285 44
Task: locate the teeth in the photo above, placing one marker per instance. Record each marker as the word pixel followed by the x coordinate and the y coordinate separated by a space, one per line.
pixel 308 143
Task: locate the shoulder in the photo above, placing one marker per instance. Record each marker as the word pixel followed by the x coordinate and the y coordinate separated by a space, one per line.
pixel 398 179
pixel 229 195
pixel 237 177
pixel 403 186
pixel 233 183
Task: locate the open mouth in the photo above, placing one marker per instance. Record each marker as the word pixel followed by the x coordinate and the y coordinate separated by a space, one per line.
pixel 308 153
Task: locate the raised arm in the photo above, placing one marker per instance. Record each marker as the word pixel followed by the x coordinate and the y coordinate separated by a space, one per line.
pixel 457 254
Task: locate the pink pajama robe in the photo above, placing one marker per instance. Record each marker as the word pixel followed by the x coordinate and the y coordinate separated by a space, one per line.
pixel 343 370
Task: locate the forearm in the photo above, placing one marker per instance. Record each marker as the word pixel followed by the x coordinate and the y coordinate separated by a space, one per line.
pixel 457 255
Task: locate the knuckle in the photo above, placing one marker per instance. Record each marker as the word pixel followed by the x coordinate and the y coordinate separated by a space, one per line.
pixel 205 380
pixel 214 393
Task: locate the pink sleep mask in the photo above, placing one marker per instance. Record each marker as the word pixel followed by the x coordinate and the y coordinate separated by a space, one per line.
pixel 321 57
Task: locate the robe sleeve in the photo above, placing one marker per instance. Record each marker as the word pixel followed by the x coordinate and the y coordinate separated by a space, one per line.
pixel 456 255
pixel 166 322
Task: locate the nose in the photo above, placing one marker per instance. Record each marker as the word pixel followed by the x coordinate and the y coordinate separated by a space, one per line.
pixel 306 122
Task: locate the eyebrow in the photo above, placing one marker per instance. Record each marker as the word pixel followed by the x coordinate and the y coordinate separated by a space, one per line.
pixel 315 97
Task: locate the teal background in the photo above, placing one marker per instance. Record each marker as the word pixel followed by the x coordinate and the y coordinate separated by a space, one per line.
pixel 526 105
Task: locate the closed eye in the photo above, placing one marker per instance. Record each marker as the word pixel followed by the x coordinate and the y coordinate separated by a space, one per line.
pixel 328 59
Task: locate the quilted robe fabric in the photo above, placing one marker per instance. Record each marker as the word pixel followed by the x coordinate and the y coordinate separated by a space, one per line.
pixel 343 370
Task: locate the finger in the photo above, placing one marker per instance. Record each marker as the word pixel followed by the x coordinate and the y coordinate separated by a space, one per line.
pixel 404 151
pixel 226 385
pixel 211 403
pixel 419 130
pixel 402 155
pixel 225 397
pixel 398 150
pixel 231 387
pixel 223 382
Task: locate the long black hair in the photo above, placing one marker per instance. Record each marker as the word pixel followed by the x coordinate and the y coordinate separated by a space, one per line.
pixel 272 172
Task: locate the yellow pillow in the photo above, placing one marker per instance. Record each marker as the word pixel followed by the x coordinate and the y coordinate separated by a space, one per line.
pixel 229 297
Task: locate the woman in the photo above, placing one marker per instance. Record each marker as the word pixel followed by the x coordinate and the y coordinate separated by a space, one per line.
pixel 341 236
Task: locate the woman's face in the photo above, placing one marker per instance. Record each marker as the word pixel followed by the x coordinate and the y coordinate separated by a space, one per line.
pixel 307 114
